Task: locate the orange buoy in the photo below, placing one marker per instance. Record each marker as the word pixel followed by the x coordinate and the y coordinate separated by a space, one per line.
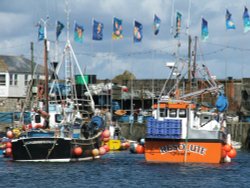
pixel 227 147
pixel 232 153
pixel 8 151
pixel 95 152
pixel 77 151
pixel 127 145
pixel 10 134
pixel 102 150
pixel 139 149
pixel 223 153
pixel 123 146
pixel 105 139
pixel 8 145
pixel 106 133
pixel 106 147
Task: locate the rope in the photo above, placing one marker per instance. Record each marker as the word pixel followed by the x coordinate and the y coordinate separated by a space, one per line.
pixel 52 148
pixel 27 149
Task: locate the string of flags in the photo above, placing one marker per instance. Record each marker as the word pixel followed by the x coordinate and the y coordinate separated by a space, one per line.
pixel 117 34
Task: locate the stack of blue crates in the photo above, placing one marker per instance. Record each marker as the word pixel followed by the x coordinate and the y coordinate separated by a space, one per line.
pixel 168 128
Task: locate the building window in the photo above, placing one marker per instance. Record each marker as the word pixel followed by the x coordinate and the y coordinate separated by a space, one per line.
pixel 15 79
pixel 26 81
pixel 11 79
pixel 2 80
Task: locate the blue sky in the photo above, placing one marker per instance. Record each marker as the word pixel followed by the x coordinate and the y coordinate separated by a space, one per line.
pixel 226 53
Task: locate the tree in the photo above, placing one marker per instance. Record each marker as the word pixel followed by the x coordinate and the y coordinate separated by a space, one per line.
pixel 123 78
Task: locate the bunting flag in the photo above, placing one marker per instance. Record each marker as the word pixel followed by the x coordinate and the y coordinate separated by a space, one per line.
pixel 138 35
pixel 229 22
pixel 204 30
pixel 40 32
pixel 78 33
pixel 246 20
pixel 97 30
pixel 156 25
pixel 59 28
pixel 178 24
pixel 117 29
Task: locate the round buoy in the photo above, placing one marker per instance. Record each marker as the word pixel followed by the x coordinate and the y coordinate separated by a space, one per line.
pixel 139 149
pixel 232 153
pixel 8 151
pixel 106 147
pixel 8 145
pixel 127 145
pixel 95 152
pixel 77 151
pixel 106 133
pixel 227 147
pixel 105 139
pixel 223 153
pixel 102 150
pixel 123 146
pixel 10 134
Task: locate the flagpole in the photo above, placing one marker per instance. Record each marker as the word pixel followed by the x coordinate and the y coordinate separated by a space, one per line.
pixel 172 17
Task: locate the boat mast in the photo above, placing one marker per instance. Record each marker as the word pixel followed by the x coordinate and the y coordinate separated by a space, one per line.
pixel 46 74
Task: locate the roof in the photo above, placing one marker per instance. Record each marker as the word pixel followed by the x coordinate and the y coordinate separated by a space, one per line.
pixel 18 64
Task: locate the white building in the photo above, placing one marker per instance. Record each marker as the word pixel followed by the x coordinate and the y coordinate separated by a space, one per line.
pixel 15 75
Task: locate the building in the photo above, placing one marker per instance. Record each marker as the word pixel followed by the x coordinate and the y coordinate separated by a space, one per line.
pixel 15 75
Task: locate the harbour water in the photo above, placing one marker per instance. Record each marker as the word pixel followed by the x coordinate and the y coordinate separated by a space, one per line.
pixel 123 169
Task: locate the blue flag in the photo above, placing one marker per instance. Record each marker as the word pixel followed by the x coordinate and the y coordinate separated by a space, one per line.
pixel 246 20
pixel 204 30
pixel 156 25
pixel 59 28
pixel 40 32
pixel 138 35
pixel 78 33
pixel 97 30
pixel 229 22
pixel 178 24
pixel 117 29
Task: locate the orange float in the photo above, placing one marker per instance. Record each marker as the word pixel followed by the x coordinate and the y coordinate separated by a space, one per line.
pixel 227 147
pixel 77 151
pixel 106 147
pixel 10 134
pixel 102 150
pixel 95 152
pixel 139 149
pixel 232 153
pixel 106 133
pixel 8 145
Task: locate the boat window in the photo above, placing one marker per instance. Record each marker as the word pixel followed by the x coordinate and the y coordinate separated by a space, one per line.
pixel 58 118
pixel 172 112
pixel 162 112
pixel 182 113
pixel 37 118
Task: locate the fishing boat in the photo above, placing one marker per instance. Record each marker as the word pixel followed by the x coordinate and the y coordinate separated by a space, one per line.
pixel 60 131
pixel 182 130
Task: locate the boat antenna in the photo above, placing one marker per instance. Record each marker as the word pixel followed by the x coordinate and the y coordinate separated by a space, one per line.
pixel 172 17
pixel 188 20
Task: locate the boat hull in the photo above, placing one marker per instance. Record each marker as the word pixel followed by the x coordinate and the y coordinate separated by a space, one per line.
pixel 180 151
pixel 52 149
